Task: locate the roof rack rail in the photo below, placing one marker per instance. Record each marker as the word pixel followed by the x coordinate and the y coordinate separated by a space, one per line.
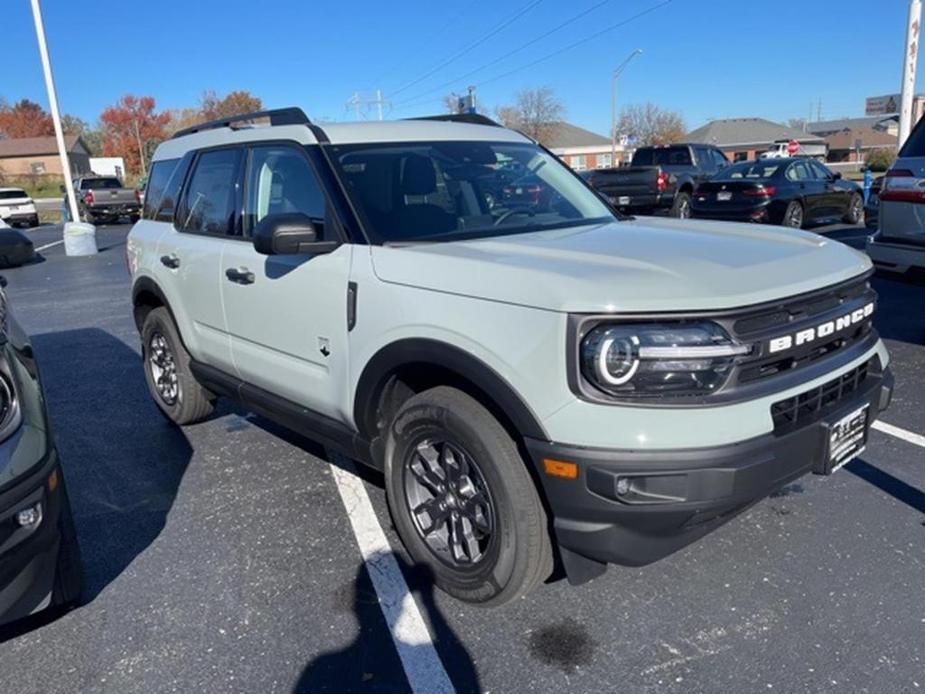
pixel 472 118
pixel 279 116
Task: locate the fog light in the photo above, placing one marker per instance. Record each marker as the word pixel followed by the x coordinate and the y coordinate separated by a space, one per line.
pixel 623 486
pixel 30 517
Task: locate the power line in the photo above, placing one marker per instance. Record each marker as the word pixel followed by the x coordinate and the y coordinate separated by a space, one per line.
pixel 507 22
pixel 564 49
pixel 432 35
pixel 507 55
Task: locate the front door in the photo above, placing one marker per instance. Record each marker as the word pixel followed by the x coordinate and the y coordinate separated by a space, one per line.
pixel 287 314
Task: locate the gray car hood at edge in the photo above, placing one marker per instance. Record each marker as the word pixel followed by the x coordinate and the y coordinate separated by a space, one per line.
pixel 651 264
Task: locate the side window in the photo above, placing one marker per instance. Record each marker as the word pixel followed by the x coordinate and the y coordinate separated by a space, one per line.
pixel 208 205
pixel 171 195
pixel 281 181
pixel 158 177
pixel 819 170
pixel 798 172
pixel 704 159
pixel 720 159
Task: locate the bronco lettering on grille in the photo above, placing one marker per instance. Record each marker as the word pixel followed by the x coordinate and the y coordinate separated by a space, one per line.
pixel 779 344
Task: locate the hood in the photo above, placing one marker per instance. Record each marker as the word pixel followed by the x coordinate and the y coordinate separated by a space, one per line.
pixel 631 266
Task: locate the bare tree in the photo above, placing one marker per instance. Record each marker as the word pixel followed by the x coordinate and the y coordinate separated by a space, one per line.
pixel 538 113
pixel 451 103
pixel 651 125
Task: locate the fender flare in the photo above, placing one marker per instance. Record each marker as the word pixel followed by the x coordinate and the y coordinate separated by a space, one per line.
pixel 443 355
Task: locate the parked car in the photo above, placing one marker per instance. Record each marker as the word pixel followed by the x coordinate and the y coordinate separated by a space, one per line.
pixel 15 247
pixel 792 192
pixel 659 178
pixel 104 199
pixel 899 243
pixel 641 381
pixel 16 207
pixel 529 191
pixel 39 554
pixel 872 207
pixel 781 150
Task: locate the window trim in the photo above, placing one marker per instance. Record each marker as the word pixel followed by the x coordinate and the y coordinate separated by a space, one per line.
pixel 236 205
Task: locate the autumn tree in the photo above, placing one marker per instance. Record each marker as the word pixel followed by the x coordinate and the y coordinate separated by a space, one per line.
pixel 131 127
pixel 211 107
pixel 92 136
pixel 651 125
pixel 25 119
pixel 538 113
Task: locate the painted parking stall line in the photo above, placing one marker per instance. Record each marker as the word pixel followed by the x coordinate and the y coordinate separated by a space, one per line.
pixel 49 245
pixel 415 647
pixel 899 433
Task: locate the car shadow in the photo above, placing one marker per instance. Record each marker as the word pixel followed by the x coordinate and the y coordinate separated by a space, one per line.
pixel 123 461
pixel 370 663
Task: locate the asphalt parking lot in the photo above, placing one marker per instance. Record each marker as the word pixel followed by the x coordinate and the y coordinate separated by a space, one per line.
pixel 222 557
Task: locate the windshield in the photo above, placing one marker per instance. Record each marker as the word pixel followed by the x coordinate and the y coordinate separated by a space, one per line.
pixel 444 190
pixel 748 170
pixel 662 156
pixel 88 183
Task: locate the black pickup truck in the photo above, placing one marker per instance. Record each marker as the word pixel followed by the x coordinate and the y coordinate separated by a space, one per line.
pixel 660 177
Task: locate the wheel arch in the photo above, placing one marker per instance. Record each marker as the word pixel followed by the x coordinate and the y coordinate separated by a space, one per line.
pixel 147 296
pixel 432 362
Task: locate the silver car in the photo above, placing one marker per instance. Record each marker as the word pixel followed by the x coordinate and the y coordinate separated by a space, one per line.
pixel 899 244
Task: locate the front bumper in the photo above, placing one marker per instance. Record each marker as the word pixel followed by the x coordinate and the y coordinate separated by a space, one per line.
pixel 689 492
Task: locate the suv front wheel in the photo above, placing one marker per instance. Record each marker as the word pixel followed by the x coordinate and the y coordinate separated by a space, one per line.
pixel 463 501
pixel 167 371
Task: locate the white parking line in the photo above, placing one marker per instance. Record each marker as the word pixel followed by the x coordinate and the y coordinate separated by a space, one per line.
pixel 903 434
pixel 49 245
pixel 419 658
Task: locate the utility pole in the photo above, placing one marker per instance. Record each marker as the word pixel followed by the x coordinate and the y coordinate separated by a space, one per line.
pixel 141 149
pixel 613 104
pixel 911 54
pixel 362 103
pixel 55 114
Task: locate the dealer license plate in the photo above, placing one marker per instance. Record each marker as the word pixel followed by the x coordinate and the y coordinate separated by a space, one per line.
pixel 623 200
pixel 847 439
pixel 724 196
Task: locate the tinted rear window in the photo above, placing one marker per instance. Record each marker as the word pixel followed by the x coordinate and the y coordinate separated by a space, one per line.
pixel 157 181
pixel 12 194
pixel 750 170
pixel 100 183
pixel 662 156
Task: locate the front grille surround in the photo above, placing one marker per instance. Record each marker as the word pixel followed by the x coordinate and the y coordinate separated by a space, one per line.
pixel 812 405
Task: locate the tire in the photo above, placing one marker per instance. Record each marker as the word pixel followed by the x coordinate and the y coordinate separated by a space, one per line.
pixel 681 207
pixel 516 554
pixel 133 219
pixel 33 223
pixel 855 214
pixel 793 215
pixel 173 387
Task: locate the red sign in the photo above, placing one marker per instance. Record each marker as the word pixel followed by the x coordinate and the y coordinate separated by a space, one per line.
pixel 793 147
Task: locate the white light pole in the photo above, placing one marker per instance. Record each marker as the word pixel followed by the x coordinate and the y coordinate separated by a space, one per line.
pixel 912 50
pixel 55 115
pixel 613 104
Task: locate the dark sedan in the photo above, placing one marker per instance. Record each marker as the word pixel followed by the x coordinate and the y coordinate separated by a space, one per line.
pixel 15 247
pixel 39 556
pixel 792 192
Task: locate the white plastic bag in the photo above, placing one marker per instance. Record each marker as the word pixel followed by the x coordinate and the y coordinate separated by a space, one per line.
pixel 79 239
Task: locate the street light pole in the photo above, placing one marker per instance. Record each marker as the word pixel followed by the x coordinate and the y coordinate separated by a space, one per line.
pixel 613 104
pixel 55 114
pixel 911 55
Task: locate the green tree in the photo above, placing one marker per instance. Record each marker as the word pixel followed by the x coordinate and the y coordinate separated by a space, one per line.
pixel 880 159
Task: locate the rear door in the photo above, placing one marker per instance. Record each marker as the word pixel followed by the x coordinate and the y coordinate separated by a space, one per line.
pixel 809 187
pixel 833 197
pixel 190 255
pixel 287 314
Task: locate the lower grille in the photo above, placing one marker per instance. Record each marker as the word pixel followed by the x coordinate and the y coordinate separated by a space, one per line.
pixel 813 404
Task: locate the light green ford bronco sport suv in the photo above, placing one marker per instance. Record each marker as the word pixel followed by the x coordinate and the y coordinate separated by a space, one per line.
pixel 540 380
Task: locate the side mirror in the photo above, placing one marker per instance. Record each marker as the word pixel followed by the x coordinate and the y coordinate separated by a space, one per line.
pixel 289 234
pixel 836 176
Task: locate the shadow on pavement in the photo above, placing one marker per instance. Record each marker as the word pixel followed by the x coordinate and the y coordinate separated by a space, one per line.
pixel 370 662
pixel 884 481
pixel 900 315
pixel 122 459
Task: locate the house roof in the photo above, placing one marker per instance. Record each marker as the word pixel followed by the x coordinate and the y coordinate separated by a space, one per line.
pixel 746 131
pixel 868 137
pixel 833 126
pixel 568 135
pixel 32 146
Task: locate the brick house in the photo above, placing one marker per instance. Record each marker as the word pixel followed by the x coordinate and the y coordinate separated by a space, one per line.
pixel 38 156
pixel 582 149
pixel 742 139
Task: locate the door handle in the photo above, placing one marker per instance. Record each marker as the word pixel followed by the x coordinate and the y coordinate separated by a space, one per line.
pixel 240 275
pixel 171 261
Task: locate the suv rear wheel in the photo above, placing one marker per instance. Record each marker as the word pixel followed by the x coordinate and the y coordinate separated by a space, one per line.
pixel 462 500
pixel 170 381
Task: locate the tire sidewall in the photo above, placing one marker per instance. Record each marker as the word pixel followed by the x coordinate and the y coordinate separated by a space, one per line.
pixel 487 582
pixel 158 321
pixel 786 220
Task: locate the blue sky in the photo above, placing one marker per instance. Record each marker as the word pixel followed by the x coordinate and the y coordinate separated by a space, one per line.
pixel 704 58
